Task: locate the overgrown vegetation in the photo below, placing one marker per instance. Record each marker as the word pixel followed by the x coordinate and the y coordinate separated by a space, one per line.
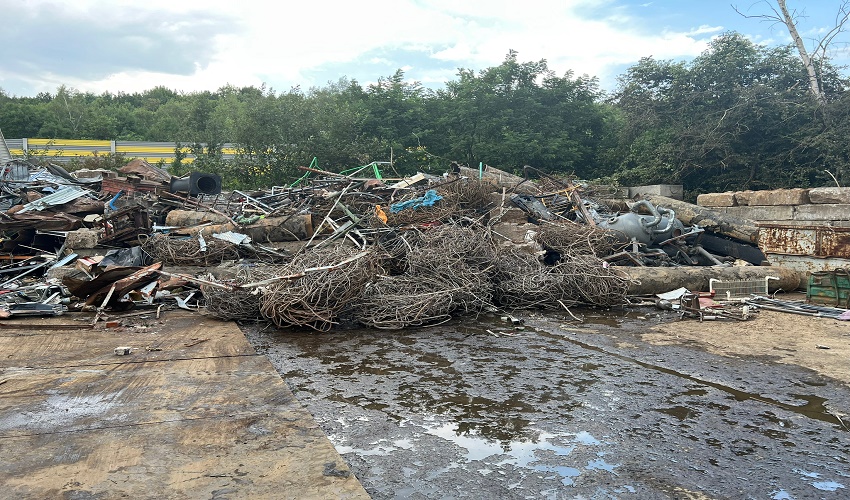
pixel 737 117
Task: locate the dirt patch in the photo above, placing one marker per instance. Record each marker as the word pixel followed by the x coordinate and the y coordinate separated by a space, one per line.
pixel 784 338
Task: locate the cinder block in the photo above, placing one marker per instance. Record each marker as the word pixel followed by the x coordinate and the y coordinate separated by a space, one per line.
pixel 779 197
pixel 714 200
pixel 830 195
pixel 823 213
pixel 675 191
pixel 777 213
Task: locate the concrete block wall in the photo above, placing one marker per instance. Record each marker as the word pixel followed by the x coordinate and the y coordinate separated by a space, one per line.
pixel 824 206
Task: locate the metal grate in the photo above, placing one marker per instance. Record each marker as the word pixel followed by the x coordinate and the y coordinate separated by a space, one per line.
pixel 739 289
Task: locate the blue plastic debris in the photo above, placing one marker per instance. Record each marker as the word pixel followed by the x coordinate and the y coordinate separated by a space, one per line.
pixel 428 200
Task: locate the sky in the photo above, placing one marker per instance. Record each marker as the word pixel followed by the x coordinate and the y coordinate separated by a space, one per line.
pixel 187 45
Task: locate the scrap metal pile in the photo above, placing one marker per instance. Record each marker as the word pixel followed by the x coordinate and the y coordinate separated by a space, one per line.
pixel 331 248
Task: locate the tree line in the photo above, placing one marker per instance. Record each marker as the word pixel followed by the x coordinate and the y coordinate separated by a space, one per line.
pixel 739 116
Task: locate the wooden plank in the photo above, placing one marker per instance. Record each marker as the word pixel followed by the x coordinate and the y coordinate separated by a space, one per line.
pixel 260 456
pixel 172 337
pixel 42 401
pixel 204 420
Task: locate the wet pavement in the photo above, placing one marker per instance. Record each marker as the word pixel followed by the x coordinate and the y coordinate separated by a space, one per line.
pixel 477 408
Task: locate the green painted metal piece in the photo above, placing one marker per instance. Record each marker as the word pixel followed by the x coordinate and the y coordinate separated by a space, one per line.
pixel 829 287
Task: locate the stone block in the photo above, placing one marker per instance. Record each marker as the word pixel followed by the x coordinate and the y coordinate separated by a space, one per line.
pixel 776 213
pixel 675 191
pixel 742 198
pixel 823 213
pixel 81 238
pixel 57 273
pixel 779 197
pixel 715 200
pixel 830 195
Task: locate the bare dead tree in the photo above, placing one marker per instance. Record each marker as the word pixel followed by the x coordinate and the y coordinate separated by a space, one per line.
pixel 811 61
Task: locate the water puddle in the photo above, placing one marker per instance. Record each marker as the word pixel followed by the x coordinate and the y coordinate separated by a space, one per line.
pixel 814 407
pixel 536 454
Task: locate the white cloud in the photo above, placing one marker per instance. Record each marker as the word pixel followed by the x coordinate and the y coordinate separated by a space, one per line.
pixel 282 43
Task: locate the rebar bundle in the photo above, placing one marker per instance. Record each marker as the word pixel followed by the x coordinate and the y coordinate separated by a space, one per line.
pixel 523 282
pixel 468 193
pixel 570 238
pixel 238 304
pixel 446 272
pixel 315 299
pixel 189 252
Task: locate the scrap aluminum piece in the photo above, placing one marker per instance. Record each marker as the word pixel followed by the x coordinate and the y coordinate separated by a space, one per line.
pixel 35 309
pixel 64 195
pixel 235 238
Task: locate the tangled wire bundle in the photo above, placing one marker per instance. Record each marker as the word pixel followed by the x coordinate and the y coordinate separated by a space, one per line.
pixel 523 282
pixel 238 304
pixel 316 298
pixel 187 252
pixel 590 282
pixel 569 238
pixel 468 193
pixel 446 272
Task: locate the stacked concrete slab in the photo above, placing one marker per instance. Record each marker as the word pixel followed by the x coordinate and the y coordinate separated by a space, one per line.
pixel 823 206
pixel 807 229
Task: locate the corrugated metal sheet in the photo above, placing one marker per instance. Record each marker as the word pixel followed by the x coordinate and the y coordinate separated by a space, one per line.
pixel 60 197
pixel 814 241
pixel 5 154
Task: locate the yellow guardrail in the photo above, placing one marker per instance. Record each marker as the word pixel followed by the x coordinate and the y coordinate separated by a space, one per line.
pixel 69 149
pixel 59 143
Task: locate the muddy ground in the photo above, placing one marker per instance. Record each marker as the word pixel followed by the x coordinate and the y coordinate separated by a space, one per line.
pixel 628 404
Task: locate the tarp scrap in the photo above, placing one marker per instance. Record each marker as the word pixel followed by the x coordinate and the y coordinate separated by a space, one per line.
pixel 427 200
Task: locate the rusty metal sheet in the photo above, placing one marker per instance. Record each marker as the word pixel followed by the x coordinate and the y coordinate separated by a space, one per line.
pixel 807 264
pixel 814 241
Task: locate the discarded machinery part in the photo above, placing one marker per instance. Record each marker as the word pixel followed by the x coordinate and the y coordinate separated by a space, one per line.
pixel 733 248
pixel 196 183
pixel 532 206
pixel 739 289
pixel 34 309
pixel 644 228
pixel 702 251
pixel 713 221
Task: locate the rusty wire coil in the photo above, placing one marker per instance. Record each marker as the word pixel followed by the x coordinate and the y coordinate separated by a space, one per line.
pixel 188 252
pixel 238 304
pixel 521 281
pixel 569 238
pixel 446 272
pixel 316 299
